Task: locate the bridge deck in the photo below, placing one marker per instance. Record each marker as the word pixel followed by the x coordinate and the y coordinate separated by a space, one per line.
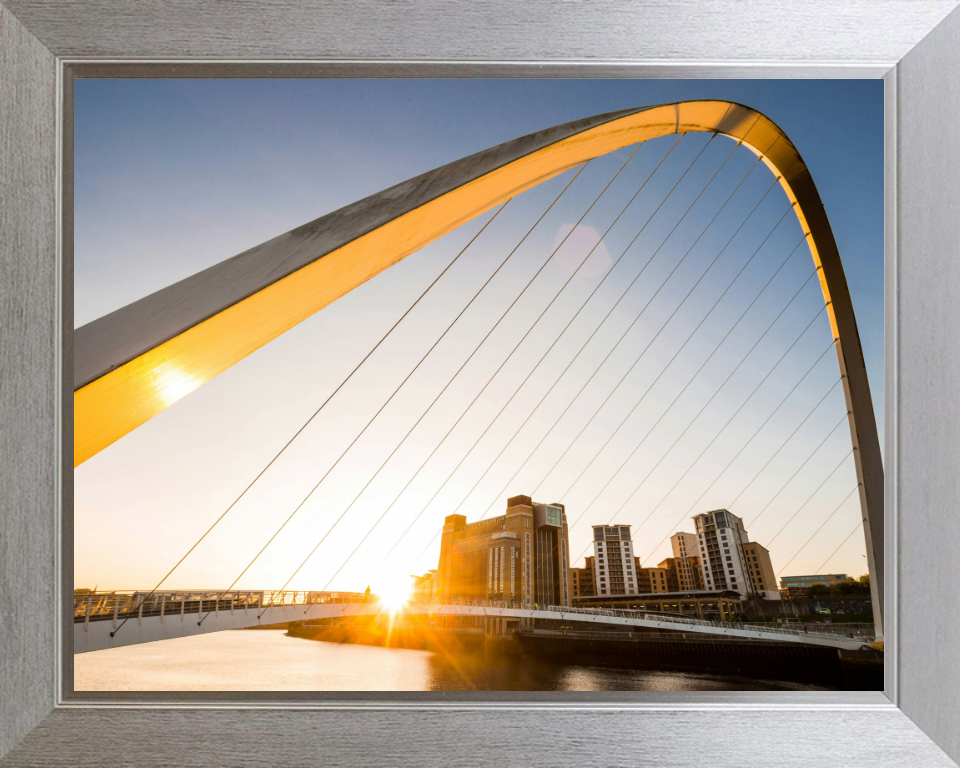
pixel 110 620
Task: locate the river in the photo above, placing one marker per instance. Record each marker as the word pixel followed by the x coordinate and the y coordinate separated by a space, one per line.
pixel 269 660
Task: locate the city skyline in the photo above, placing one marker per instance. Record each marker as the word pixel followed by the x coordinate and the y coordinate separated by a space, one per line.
pixel 179 471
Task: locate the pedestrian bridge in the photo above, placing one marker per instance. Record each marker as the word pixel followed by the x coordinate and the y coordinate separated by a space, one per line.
pixel 113 619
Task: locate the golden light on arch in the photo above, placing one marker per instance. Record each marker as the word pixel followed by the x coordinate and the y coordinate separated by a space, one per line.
pixel 129 388
pixel 108 407
pixel 171 383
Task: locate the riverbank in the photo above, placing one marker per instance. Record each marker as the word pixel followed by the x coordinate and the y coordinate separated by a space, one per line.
pixel 764 661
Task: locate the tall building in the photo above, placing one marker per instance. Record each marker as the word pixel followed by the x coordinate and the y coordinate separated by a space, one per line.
pixel 760 571
pixel 614 566
pixel 723 543
pixel 522 556
pixel 686 551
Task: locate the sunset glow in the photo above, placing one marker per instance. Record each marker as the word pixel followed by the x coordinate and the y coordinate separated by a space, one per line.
pixel 395 594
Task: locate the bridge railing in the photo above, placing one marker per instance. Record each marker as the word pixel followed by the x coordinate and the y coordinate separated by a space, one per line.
pixel 102 606
pixel 626 614
pixel 123 604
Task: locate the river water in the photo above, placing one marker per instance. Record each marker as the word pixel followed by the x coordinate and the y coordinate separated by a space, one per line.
pixel 269 660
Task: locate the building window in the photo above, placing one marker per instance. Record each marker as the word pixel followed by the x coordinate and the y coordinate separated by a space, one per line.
pixel 554 516
pixel 527 568
pixel 489 572
pixel 563 565
pixel 500 585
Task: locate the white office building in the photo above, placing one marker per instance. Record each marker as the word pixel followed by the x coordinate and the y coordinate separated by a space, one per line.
pixel 614 570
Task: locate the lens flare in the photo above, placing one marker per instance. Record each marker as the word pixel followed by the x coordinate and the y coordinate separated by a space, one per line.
pixel 394 594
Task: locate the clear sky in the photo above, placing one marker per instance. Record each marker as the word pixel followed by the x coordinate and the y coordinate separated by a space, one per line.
pixel 172 176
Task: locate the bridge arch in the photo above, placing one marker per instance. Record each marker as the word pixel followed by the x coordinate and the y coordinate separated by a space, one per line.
pixel 135 362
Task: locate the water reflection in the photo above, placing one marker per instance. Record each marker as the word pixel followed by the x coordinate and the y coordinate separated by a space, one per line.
pixel 476 673
pixel 269 660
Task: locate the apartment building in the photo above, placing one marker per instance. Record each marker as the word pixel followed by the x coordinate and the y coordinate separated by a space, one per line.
pixel 730 560
pixel 760 571
pixel 581 580
pixel 686 551
pixel 614 564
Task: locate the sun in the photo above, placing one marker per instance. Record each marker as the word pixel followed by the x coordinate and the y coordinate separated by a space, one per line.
pixel 394 594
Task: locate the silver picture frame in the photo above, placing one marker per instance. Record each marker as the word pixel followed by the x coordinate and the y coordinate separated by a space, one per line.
pixel 914 45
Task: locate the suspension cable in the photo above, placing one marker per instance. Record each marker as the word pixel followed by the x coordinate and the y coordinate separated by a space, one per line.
pixel 602 321
pixel 317 412
pixel 680 394
pixel 689 337
pixel 813 453
pixel 528 376
pixel 616 304
pixel 702 409
pixel 636 319
pixel 730 463
pixel 293 575
pixel 679 350
pixel 689 382
pixel 729 421
pixel 414 369
pixel 855 529
pixel 855 488
pixel 793 517
pixel 330 469
pixel 635 362
pixel 649 344
pixel 784 443
pixel 691 379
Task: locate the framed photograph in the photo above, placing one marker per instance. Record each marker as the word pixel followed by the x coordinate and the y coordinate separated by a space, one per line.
pixel 557 385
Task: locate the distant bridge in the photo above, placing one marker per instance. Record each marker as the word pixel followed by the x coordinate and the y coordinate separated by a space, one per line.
pixel 109 620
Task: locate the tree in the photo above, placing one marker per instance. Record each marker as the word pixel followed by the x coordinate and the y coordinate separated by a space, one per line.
pixel 845 588
pixel 848 588
pixel 818 591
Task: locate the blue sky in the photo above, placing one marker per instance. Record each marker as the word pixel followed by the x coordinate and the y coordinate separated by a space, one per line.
pixel 172 176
